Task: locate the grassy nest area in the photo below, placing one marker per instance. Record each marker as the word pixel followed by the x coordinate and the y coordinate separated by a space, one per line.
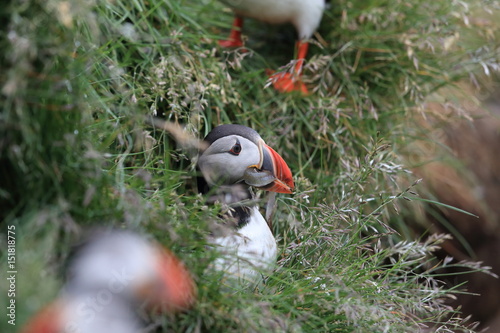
pixel 102 101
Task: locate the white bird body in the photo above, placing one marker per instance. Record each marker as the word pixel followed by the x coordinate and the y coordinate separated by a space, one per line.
pixel 248 251
pixel 305 15
pixel 235 160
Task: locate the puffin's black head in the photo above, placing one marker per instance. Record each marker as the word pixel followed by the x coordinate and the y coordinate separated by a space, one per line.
pixel 237 154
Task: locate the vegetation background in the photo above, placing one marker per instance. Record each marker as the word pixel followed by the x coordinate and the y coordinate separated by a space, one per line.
pixel 362 241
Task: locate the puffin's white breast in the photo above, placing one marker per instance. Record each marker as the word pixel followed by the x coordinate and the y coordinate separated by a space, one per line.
pixel 96 313
pixel 248 251
pixel 305 15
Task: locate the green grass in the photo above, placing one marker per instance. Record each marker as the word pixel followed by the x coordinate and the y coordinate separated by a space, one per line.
pixel 78 83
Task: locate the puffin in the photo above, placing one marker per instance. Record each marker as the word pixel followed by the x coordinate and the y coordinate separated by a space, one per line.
pixel 112 278
pixel 236 160
pixel 305 15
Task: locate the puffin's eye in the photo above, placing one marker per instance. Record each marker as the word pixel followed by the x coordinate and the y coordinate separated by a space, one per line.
pixel 236 149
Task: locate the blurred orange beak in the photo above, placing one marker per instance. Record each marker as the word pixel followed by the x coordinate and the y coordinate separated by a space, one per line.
pixel 47 320
pixel 177 289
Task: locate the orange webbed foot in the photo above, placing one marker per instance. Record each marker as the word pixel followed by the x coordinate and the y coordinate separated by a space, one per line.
pixel 287 82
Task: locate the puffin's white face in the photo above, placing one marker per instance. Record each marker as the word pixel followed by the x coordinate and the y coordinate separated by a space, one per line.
pixel 111 275
pixel 227 159
pixel 237 154
pixel 153 274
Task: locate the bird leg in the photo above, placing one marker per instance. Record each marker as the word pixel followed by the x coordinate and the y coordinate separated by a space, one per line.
pixel 288 82
pixel 234 39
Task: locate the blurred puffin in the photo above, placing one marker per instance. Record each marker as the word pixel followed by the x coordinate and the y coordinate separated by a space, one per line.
pixel 305 15
pixel 110 278
pixel 236 159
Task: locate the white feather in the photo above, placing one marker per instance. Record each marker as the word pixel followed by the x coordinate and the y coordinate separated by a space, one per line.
pixel 111 256
pixel 248 252
pixel 305 15
pixel 83 313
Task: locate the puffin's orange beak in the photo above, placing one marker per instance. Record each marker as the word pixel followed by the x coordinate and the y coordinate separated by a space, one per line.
pixel 172 289
pixel 47 320
pixel 274 163
pixel 178 291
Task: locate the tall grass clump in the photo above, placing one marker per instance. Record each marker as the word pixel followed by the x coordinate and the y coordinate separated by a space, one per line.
pixel 82 79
